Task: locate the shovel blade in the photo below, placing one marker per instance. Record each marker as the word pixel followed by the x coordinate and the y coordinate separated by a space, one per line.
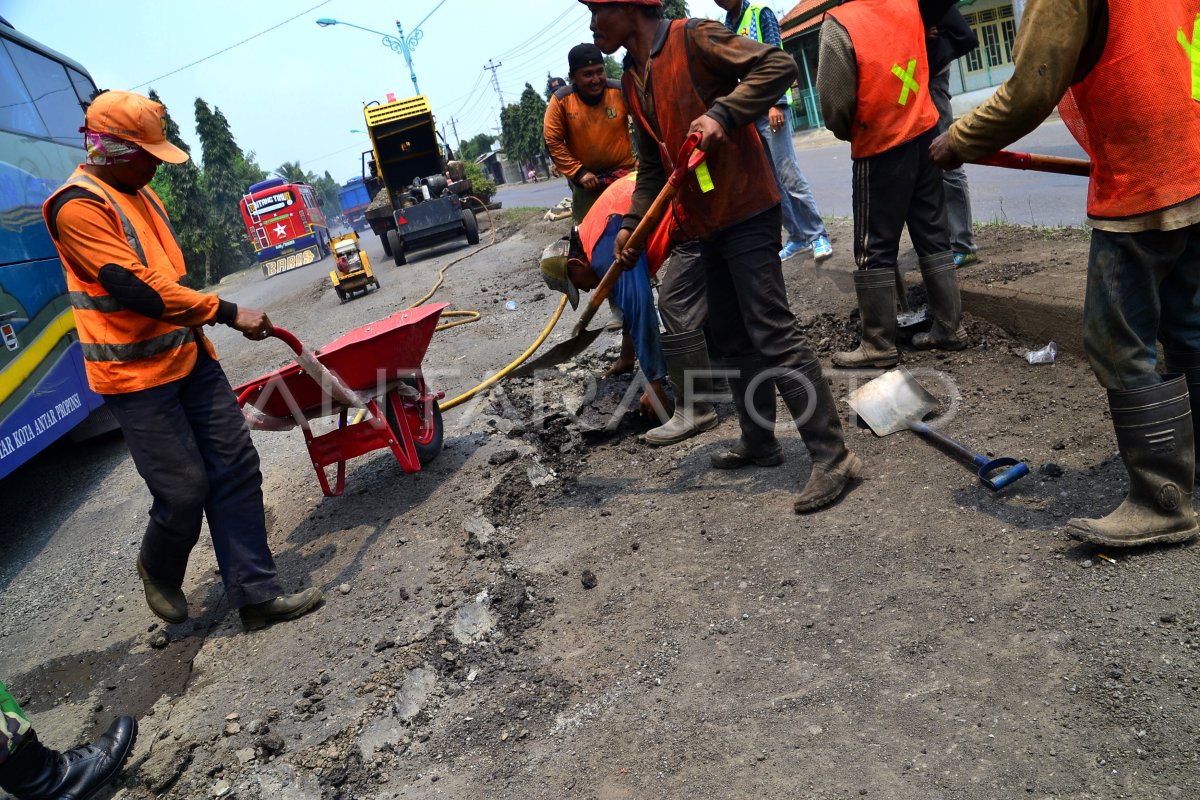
pixel 892 402
pixel 563 351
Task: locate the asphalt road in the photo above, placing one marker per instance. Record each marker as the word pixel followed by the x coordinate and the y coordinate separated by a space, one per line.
pixel 997 195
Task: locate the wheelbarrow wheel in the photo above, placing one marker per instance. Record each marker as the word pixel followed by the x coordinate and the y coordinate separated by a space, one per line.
pixel 427 438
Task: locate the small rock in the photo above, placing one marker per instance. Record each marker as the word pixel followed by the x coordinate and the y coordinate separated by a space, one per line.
pixel 1051 470
pixel 245 755
pixel 159 640
pixel 1167 618
pixel 502 457
pixel 233 729
pixel 232 717
pixel 221 788
pixel 588 579
pixel 344 588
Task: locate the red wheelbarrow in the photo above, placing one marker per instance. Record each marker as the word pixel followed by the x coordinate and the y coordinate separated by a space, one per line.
pixel 376 367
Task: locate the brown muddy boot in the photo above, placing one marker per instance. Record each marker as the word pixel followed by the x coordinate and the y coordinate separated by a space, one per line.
pixel 1187 363
pixel 686 355
pixel 876 290
pixel 1154 434
pixel 288 606
pixel 945 303
pixel 756 417
pixel 808 397
pixel 165 600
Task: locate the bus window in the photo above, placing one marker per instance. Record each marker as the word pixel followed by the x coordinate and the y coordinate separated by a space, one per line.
pixel 17 112
pixel 84 88
pixel 52 92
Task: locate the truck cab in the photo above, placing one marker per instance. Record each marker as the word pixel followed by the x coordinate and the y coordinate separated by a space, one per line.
pixel 422 199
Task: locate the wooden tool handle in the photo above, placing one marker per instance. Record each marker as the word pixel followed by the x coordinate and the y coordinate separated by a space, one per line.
pixel 1013 160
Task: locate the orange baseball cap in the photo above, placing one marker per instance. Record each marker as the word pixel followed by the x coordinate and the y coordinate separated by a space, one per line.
pixel 134 118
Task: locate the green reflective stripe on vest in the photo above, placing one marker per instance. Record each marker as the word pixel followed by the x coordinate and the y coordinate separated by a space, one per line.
pixel 131 237
pixel 106 304
pixel 751 27
pixel 1192 49
pixel 906 77
pixel 162 214
pixel 137 350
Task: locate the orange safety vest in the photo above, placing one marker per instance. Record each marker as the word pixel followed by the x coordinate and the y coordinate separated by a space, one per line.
pixel 615 200
pixel 1137 113
pixel 894 105
pixel 124 351
pixel 742 179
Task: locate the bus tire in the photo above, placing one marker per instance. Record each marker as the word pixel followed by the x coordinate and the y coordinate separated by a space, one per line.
pixel 396 245
pixel 471 226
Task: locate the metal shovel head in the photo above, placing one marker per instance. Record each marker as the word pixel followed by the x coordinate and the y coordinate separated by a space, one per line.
pixel 892 402
pixel 561 352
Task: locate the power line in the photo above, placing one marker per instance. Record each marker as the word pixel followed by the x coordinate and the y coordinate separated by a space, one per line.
pixel 227 49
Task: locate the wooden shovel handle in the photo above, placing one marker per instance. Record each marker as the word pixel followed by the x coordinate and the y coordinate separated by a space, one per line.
pixel 1040 163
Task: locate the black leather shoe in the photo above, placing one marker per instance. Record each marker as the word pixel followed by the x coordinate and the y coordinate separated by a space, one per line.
pixel 288 606
pixel 166 601
pixel 35 772
pixel 740 456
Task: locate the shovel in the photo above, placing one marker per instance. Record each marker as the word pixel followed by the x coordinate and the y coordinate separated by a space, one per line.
pixel 688 159
pixel 896 401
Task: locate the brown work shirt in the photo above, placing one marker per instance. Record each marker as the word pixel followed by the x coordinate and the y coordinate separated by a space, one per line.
pixel 588 137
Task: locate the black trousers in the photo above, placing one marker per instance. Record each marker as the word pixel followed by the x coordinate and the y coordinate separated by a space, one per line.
pixel 898 187
pixel 748 311
pixel 191 445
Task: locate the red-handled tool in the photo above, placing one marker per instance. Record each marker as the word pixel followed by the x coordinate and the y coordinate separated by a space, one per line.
pixel 1013 160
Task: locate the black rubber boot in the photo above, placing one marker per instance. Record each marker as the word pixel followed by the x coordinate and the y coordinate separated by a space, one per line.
pixel 686 354
pixel 757 445
pixel 1188 364
pixel 809 399
pixel 876 291
pixel 945 302
pixel 35 772
pixel 1154 433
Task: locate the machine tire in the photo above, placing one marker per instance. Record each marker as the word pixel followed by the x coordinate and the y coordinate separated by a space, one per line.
pixel 341 293
pixel 396 248
pixel 471 226
pixel 427 451
pixel 387 248
pixel 375 281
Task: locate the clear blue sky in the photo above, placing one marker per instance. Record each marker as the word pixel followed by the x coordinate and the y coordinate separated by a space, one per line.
pixel 295 92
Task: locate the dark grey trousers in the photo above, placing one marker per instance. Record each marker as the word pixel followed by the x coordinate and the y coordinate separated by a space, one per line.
pixel 191 445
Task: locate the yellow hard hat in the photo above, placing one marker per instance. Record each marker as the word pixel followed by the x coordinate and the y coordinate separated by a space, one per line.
pixel 554 270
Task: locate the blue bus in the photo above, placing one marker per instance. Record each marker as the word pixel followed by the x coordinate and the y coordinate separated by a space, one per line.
pixel 43 391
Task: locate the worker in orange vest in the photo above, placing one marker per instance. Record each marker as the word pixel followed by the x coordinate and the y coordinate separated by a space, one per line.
pixel 710 81
pixel 1128 76
pixel 145 351
pixel 873 78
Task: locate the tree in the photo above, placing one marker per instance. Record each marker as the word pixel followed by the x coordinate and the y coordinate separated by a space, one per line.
pixel 612 69
pixel 327 194
pixel 521 126
pixel 292 172
pixel 180 188
pixel 675 9
pixel 225 172
pixel 477 145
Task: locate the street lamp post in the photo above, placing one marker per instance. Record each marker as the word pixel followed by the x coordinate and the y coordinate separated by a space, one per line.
pixel 404 45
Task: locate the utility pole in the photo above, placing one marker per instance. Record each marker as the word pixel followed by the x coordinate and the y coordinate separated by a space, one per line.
pixel 454 127
pixel 495 80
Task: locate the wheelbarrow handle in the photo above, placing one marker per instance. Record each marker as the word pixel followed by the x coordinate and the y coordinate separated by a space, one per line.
pixel 1013 470
pixel 288 338
pixel 690 157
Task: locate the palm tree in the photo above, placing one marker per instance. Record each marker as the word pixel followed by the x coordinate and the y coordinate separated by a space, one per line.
pixel 292 172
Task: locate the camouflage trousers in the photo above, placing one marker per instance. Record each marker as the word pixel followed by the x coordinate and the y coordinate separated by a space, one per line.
pixel 14 725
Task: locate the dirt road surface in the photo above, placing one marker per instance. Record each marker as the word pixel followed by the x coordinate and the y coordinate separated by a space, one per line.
pixel 923 638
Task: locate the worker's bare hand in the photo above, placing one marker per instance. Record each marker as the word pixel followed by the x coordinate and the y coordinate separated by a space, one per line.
pixel 589 181
pixel 942 154
pixel 712 135
pixel 253 324
pixel 775 119
pixel 624 257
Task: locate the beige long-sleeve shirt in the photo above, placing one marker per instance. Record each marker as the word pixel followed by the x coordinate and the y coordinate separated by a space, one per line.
pixel 1058 43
